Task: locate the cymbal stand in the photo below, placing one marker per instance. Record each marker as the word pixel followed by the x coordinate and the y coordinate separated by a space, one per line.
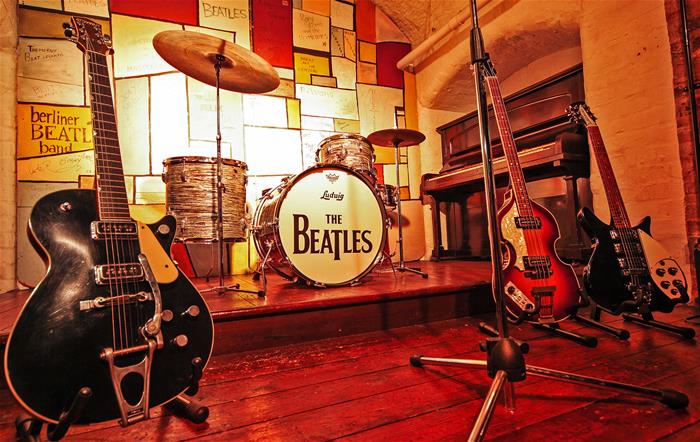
pixel 221 288
pixel 402 267
pixel 505 362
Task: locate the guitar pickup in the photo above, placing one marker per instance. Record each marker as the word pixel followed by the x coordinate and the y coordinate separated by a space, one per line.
pixel 106 274
pixel 528 222
pixel 537 267
pixel 114 230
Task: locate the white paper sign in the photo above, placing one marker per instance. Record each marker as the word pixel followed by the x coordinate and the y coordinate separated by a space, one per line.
pixel 311 31
pixel 327 102
pixel 133 46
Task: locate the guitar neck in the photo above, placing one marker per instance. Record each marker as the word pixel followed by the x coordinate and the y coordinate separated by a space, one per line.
pixel 517 177
pixel 612 191
pixel 109 173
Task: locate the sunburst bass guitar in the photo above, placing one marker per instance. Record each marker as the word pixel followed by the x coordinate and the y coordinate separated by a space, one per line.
pixel 539 286
pixel 628 270
pixel 113 314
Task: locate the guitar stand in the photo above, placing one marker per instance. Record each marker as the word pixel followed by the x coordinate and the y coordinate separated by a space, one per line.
pixel 29 428
pixel 646 318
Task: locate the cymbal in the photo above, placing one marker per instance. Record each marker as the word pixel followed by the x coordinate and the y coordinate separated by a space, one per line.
pixel 396 137
pixel 195 55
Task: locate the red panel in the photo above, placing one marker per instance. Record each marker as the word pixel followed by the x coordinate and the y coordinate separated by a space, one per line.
pixel 178 252
pixel 178 11
pixel 366 21
pixel 379 168
pixel 387 55
pixel 272 31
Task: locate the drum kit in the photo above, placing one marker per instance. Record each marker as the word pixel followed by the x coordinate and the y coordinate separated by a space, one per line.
pixel 326 226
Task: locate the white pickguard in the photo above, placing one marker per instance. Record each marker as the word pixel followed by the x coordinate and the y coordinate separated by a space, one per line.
pixel 515 237
pixel 659 258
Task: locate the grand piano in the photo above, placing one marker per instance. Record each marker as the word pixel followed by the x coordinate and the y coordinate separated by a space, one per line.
pixel 553 154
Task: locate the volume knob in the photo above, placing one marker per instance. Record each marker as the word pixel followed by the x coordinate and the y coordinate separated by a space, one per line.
pixel 673 270
pixel 192 311
pixel 660 271
pixel 180 341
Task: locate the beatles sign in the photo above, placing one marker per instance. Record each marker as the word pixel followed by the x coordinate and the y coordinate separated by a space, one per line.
pixel 44 130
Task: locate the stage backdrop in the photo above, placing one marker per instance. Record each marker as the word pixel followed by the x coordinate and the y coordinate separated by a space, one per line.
pixel 336 60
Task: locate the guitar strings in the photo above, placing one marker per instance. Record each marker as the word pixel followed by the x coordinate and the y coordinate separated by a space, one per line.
pixel 107 204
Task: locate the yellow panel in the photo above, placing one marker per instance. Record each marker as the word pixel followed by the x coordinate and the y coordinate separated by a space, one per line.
pixel 49 130
pixel 342 15
pixel 337 42
pixel 377 106
pixel 368 52
pixel 86 182
pixel 348 126
pixel 366 73
pixel 35 23
pixel 150 190
pixel 264 110
pixel 410 100
pixel 133 46
pixel 169 131
pixel 384 155
pixel 306 64
pixel 49 4
pixel 97 8
pixel 322 7
pixel 245 257
pixel 327 102
pixel 345 71
pixel 147 213
pixel 405 194
pixel 228 15
pixel 285 89
pixel 293 114
pixel 61 168
pixel 311 31
pixel 133 124
pixel 322 80
pixel 350 46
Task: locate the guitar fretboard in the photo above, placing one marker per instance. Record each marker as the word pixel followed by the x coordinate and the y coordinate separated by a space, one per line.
pixel 109 174
pixel 612 191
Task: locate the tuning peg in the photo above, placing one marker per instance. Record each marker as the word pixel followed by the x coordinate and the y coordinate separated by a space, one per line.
pixel 107 39
pixel 68 30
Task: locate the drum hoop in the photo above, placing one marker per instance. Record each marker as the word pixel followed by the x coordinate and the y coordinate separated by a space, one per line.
pixel 382 210
pixel 203 160
pixel 355 137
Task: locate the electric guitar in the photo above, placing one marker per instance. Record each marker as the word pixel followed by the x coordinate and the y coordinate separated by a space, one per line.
pixel 539 286
pixel 628 269
pixel 113 313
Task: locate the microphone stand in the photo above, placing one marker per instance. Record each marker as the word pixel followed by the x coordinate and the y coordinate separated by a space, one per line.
pixel 505 362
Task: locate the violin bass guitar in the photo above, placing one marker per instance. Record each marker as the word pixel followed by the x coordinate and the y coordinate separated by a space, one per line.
pixel 628 270
pixel 113 313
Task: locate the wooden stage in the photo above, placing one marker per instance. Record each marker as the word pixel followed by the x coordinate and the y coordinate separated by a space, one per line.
pixel 359 385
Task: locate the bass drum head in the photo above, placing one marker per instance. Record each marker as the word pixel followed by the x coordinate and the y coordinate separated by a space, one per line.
pixel 331 225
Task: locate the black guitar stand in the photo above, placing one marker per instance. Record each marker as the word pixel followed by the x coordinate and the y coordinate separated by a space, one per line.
pixel 646 318
pixel 505 362
pixel 29 428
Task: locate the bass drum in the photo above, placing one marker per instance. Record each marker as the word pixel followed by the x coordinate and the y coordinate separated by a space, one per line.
pixel 325 225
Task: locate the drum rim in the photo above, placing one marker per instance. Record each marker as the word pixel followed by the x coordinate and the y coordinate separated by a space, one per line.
pixel 203 160
pixel 345 136
pixel 277 237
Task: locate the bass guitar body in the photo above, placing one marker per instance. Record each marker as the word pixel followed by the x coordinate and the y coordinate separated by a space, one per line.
pixel 73 318
pixel 538 284
pixel 621 277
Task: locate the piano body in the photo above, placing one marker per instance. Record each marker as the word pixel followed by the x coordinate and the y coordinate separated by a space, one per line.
pixel 553 154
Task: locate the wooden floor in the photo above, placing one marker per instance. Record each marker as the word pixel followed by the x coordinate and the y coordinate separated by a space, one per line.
pixel 361 387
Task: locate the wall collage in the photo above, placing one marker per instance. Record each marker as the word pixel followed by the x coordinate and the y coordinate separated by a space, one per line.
pixel 336 60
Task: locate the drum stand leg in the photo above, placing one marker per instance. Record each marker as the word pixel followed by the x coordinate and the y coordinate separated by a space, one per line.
pixel 402 267
pixel 221 288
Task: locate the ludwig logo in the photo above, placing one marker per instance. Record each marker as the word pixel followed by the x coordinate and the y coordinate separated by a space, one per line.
pixel 332 177
pixel 338 196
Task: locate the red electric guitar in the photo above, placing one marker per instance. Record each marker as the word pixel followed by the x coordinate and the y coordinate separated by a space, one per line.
pixel 539 287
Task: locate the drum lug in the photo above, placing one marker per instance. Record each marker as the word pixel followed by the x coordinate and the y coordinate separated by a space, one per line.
pixel 319 285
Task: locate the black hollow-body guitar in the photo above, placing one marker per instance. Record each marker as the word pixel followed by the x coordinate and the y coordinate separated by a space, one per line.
pixel 628 270
pixel 113 312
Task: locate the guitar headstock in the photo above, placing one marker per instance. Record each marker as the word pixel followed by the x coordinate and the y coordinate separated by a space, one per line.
pixel 88 35
pixel 580 113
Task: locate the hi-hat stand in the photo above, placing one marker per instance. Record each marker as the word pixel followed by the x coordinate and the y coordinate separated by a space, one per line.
pixel 505 362
pixel 398 138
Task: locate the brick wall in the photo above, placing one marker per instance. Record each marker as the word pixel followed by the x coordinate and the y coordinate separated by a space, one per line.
pixel 8 98
pixel 629 86
pixel 683 117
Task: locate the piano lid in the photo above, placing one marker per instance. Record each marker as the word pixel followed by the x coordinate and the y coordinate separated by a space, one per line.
pixel 537 115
